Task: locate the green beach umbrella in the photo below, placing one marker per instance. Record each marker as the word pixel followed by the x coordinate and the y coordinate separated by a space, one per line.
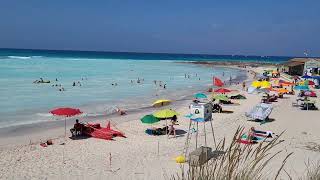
pixel 221 97
pixel 165 113
pixel 200 96
pixel 149 119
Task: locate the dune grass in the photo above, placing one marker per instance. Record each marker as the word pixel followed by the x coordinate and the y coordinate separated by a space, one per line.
pixel 238 161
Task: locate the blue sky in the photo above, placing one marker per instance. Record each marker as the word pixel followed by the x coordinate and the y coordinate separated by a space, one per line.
pixel 248 27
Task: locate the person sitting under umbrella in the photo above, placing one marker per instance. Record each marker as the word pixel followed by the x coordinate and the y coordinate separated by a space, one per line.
pixel 77 128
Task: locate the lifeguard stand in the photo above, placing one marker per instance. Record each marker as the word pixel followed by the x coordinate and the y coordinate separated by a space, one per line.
pixel 199 113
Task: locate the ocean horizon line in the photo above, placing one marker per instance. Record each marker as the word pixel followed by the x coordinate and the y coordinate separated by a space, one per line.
pixel 27 50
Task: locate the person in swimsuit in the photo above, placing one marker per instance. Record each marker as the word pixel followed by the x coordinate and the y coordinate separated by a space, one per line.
pixel 171 126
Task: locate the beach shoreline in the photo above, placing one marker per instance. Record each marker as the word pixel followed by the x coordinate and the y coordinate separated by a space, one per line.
pixel 37 131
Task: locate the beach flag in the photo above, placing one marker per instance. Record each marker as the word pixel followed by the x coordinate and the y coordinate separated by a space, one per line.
pixel 217 82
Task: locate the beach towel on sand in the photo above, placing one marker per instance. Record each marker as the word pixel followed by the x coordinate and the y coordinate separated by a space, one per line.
pixel 246 141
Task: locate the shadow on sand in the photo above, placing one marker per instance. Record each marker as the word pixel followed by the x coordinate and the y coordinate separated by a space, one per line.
pixel 79 137
pixel 268 120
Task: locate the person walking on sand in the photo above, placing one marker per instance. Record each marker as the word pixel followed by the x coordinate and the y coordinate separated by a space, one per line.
pixel 244 85
pixel 171 129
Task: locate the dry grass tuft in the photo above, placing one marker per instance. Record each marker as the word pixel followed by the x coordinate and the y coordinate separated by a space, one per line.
pixel 239 161
pixel 312 172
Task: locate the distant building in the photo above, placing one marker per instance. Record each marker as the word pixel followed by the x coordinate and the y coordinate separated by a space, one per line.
pixel 301 66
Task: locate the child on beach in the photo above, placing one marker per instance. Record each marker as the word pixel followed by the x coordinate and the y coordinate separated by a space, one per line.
pixel 171 126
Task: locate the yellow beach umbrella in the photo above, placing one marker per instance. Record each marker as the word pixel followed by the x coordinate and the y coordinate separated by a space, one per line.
pixel 256 84
pixel 265 84
pixel 180 159
pixel 161 102
pixel 165 113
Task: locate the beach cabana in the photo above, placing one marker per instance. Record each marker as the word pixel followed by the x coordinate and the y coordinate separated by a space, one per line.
pixel 161 102
pixel 260 112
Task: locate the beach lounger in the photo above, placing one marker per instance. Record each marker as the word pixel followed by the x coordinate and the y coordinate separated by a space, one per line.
pixel 308 106
pixel 260 112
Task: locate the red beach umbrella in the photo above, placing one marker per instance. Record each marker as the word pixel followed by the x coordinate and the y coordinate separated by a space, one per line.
pixel 310 83
pixel 66 112
pixel 222 90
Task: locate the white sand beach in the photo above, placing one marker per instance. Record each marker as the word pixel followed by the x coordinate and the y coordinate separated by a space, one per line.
pixel 140 156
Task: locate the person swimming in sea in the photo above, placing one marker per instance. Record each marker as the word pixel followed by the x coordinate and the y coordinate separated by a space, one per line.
pixel 74 84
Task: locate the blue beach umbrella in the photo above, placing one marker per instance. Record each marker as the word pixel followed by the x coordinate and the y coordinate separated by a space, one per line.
pixel 262 76
pixel 200 96
pixel 301 88
pixel 306 77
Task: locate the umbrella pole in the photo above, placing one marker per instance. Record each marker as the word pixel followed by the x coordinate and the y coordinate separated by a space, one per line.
pixel 187 141
pixel 65 127
pixel 205 134
pixel 167 128
pixel 214 138
pixel 197 135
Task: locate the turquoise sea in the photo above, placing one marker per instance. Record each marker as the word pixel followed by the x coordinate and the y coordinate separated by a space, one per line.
pixel 24 102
